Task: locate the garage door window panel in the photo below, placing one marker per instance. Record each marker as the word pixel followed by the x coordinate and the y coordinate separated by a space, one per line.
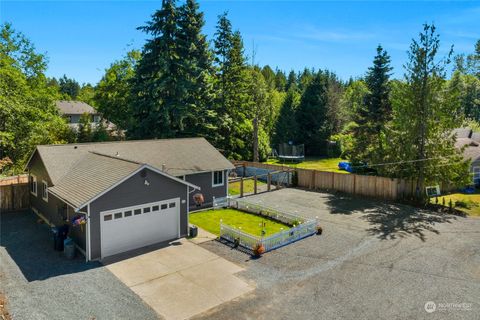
pixel 140 228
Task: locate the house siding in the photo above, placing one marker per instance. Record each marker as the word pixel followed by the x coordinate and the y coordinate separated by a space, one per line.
pixel 134 192
pixel 204 181
pixel 55 210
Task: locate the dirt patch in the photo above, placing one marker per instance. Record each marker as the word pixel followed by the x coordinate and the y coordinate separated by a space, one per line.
pixel 4 315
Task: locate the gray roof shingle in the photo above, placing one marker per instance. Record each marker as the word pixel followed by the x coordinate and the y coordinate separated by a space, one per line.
pixel 179 156
pixel 75 107
pixel 91 175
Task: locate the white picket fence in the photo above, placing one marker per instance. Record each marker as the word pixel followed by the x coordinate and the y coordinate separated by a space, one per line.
pixel 302 229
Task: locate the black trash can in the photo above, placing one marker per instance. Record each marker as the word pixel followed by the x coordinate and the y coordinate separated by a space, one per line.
pixel 59 235
pixel 193 231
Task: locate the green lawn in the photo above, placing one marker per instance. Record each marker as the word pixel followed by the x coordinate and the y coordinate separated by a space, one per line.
pixel 250 223
pixel 322 164
pixel 234 187
pixel 472 201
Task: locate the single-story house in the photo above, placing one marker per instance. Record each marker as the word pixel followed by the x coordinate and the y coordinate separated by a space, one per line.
pixel 129 194
pixel 470 141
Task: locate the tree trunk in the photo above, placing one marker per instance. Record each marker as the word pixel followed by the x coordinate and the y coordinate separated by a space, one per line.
pixel 255 140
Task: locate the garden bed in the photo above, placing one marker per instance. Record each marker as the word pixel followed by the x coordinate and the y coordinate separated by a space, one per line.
pixel 248 186
pixel 247 222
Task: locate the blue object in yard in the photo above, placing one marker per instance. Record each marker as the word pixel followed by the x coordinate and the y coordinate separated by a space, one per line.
pixel 468 190
pixel 344 165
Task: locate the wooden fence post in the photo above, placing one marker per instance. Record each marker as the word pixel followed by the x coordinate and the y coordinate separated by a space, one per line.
pixel 255 184
pixel 269 181
pixel 241 187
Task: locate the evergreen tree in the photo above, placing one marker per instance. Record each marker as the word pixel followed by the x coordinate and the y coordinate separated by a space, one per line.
pixel 69 88
pixel 373 115
pixel 196 72
pixel 222 46
pixel 291 81
pixel 156 106
pixel 280 80
pixel 286 126
pixel 312 115
pixel 269 76
pixel 237 127
pixel 421 143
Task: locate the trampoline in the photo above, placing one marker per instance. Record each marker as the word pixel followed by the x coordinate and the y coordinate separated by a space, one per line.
pixel 290 152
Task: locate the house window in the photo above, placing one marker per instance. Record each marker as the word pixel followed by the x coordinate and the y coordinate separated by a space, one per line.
pixel 217 178
pixel 44 191
pixel 476 175
pixel 33 185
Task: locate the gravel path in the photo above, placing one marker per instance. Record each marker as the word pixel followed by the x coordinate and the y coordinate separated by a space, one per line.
pixel 41 284
pixel 373 261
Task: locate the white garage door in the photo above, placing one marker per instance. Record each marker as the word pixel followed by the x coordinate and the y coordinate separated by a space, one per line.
pixel 135 227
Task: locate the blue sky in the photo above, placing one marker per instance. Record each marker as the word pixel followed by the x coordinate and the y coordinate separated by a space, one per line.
pixel 82 38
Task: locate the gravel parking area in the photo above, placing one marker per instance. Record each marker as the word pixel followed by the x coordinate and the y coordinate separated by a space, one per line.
pixel 41 284
pixel 373 261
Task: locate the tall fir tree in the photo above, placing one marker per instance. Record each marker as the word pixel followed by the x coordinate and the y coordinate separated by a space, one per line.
pixel 291 81
pixel 172 89
pixel 312 115
pixel 372 116
pixel 196 72
pixel 156 108
pixel 286 129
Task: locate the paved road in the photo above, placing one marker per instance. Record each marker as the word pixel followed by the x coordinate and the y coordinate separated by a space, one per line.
pixel 373 261
pixel 41 284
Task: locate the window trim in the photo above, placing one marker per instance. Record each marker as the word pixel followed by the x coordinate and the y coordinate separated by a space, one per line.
pixel 33 182
pixel 45 188
pixel 475 173
pixel 213 179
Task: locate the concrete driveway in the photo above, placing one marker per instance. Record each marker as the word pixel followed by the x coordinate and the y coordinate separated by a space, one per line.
pixel 374 260
pixel 181 280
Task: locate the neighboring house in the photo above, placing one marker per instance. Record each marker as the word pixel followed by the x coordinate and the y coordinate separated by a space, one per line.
pixel 132 193
pixel 471 142
pixel 73 110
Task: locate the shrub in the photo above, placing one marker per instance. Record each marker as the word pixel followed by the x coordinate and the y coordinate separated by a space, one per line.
pixel 462 204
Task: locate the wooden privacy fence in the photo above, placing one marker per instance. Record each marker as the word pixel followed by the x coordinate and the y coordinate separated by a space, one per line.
pixel 14 193
pixel 368 186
